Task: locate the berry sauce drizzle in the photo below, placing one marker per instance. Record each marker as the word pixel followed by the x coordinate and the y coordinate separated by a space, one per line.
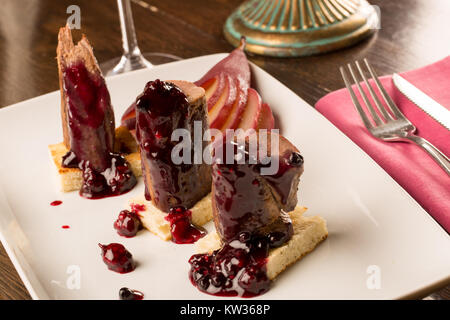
pixel 117 258
pixel 130 294
pixel 183 231
pixel 91 127
pixel 128 223
pixel 237 269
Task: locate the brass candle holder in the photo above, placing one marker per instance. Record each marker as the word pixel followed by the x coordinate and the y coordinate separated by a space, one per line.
pixel 290 28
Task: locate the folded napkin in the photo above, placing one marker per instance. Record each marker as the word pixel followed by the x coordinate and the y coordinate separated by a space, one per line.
pixel 407 163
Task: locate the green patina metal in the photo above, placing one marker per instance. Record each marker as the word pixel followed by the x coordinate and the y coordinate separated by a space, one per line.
pixel 315 25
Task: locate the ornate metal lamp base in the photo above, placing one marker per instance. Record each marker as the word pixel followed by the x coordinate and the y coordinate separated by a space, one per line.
pixel 289 28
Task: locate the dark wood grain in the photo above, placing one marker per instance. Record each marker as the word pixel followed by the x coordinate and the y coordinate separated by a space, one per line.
pixel 413 33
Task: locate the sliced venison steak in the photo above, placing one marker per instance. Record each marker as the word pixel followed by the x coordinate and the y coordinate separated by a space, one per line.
pixel 247 201
pixel 163 107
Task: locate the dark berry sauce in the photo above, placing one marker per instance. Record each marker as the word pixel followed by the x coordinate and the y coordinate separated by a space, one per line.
pixel 161 109
pixel 296 159
pixel 90 119
pixel 237 269
pixel 117 258
pixel 234 183
pixel 128 223
pixel 183 231
pixel 115 180
pixel 55 203
pixel 129 294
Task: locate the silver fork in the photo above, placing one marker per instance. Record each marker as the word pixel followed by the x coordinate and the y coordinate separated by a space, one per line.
pixel 393 125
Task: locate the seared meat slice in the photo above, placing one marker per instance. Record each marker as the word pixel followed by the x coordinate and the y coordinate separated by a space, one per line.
pixel 162 108
pixel 247 200
pixel 86 111
pixel 88 121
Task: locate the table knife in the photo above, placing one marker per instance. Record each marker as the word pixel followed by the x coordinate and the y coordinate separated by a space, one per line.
pixel 435 110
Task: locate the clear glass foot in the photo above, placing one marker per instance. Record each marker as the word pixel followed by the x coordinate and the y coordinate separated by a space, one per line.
pixel 132 59
pixel 125 64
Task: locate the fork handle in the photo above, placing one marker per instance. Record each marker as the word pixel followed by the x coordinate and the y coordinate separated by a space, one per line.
pixel 440 158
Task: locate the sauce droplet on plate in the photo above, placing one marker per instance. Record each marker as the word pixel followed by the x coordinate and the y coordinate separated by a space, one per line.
pixel 117 258
pixel 130 294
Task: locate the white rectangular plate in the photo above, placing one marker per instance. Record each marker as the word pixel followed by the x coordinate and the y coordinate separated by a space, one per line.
pixel 381 243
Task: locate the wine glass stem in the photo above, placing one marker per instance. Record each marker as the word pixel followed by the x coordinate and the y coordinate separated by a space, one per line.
pixel 129 41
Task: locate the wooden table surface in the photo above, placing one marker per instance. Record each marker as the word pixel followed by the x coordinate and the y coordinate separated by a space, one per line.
pixel 413 33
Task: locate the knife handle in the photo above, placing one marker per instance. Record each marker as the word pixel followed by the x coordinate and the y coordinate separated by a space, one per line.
pixel 440 158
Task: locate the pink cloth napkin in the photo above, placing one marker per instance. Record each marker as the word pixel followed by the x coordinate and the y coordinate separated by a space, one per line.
pixel 407 163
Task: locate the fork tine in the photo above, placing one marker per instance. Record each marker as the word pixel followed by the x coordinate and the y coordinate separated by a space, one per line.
pixel 372 111
pixel 355 100
pixel 394 109
pixel 374 96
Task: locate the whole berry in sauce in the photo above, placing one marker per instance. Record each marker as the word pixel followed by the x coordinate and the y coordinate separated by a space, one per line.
pixel 129 294
pixel 128 223
pixel 117 258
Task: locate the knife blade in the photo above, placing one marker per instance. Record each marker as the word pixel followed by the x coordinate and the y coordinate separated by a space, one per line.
pixel 435 110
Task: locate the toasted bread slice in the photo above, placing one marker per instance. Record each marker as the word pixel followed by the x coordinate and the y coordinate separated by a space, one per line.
pixel 308 233
pixel 153 219
pixel 71 179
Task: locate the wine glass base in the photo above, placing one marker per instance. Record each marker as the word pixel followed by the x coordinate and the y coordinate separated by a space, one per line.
pixel 125 64
pixel 157 58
